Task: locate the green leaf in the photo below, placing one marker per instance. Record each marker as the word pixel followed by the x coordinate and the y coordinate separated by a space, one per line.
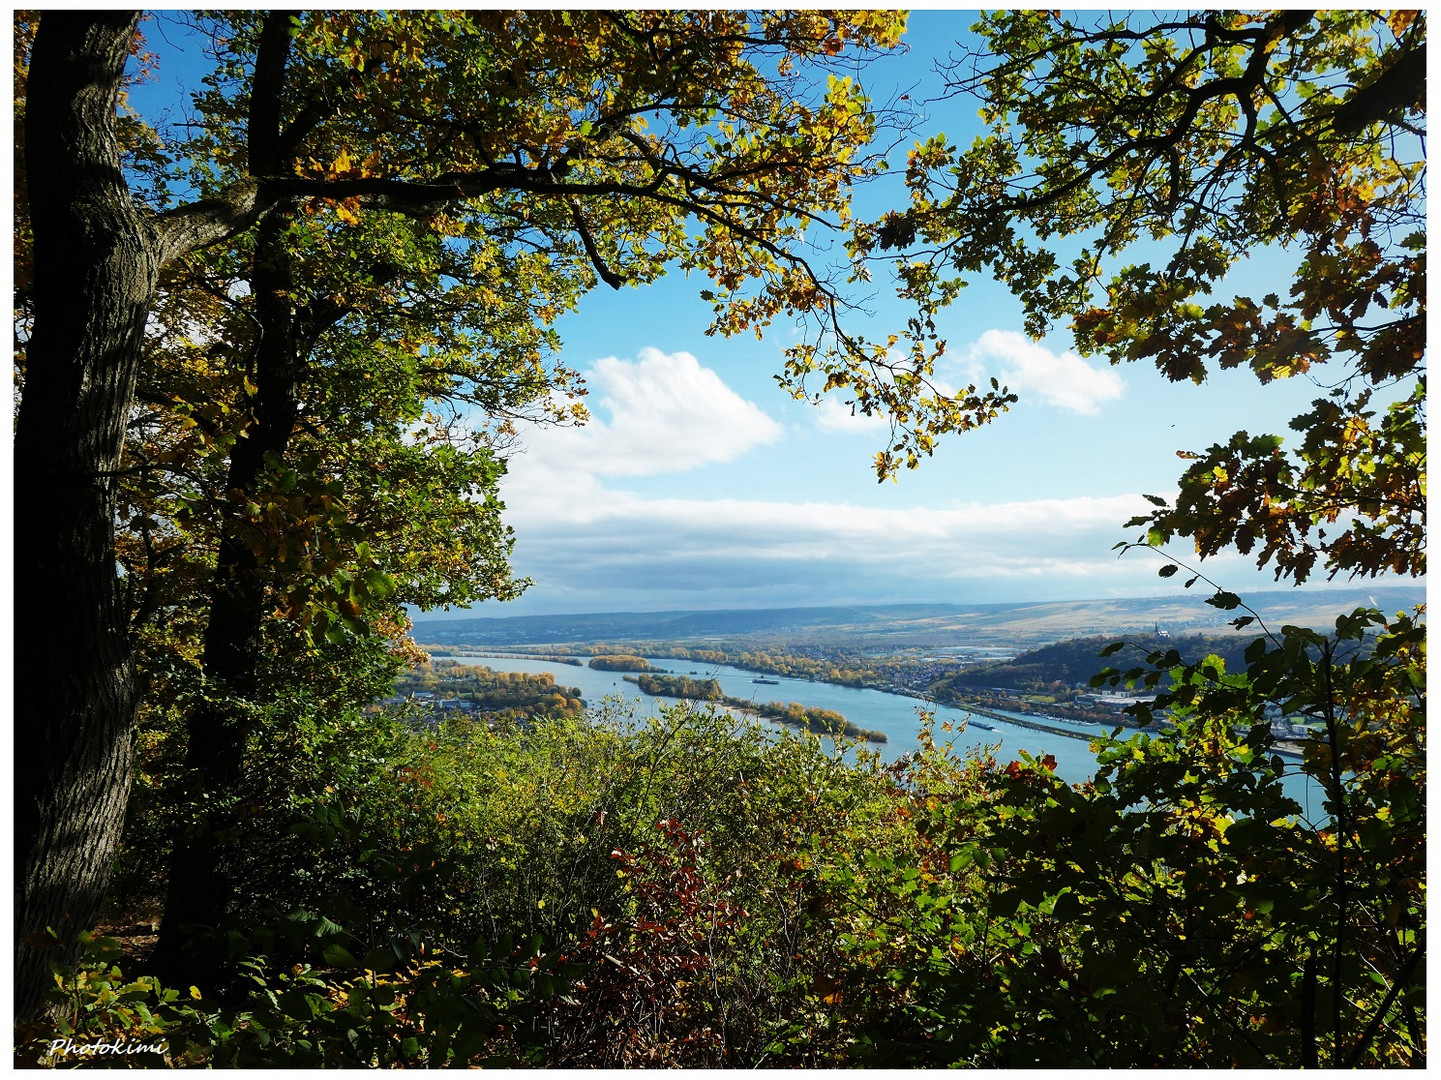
pixel 298 1005
pixel 1067 906
pixel 339 956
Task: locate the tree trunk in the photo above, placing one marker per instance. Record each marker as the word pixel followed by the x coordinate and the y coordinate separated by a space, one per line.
pixel 95 273
pixel 202 878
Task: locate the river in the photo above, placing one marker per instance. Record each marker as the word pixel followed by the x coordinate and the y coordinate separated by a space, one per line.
pixel 877 710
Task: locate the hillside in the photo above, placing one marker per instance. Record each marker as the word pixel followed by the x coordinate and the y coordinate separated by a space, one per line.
pixel 1075 660
pixel 909 625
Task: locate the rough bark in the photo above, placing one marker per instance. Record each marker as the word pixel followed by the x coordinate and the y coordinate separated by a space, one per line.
pixel 97 258
pixel 94 274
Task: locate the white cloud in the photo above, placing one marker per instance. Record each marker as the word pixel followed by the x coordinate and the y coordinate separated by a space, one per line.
pixel 667 413
pixel 591 544
pixel 630 538
pixel 841 419
pixel 1060 379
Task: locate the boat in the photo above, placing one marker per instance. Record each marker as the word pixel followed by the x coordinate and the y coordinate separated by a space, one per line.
pixel 768 682
pixel 977 723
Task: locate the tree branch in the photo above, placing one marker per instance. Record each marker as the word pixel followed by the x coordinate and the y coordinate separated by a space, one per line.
pixel 263 123
pixel 606 274
pixel 209 221
pixel 1401 86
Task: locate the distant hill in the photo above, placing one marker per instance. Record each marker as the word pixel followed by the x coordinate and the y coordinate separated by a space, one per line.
pixel 814 622
pixel 902 625
pixel 1075 660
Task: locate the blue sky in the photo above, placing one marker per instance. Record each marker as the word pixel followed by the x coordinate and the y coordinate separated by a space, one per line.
pixel 700 484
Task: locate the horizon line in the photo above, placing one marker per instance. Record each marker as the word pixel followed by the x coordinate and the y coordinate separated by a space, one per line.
pixel 469 614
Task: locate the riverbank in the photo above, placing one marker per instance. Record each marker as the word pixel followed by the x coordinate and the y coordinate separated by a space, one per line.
pixel 1291 750
pixel 815 720
pixel 446 653
pixel 1069 733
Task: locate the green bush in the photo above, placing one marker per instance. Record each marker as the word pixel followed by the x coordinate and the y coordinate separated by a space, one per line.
pixel 675 881
pixel 427 1012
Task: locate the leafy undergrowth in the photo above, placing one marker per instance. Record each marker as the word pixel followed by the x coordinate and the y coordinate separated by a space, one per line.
pixel 692 892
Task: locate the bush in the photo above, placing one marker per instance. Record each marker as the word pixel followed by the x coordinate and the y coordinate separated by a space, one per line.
pixel 691 890
pixel 675 880
pixel 425 1013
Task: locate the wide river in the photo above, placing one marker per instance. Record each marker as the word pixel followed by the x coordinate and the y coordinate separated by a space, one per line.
pixel 895 714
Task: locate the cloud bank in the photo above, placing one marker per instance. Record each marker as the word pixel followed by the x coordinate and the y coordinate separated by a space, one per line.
pixel 593 543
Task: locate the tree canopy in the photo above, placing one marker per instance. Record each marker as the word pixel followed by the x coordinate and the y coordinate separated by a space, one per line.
pixel 1131 167
pixel 1133 164
pixel 383 207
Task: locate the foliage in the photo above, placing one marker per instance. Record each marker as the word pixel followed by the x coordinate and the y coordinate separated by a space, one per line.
pixel 689 890
pixel 813 719
pixel 843 669
pixel 354 247
pixel 479 689
pixel 426 299
pixel 421 1014
pixel 1073 661
pixel 311 736
pixel 619 662
pixel 793 714
pixel 685 855
pixel 96 1003
pixel 1182 909
pixel 680 686
pixel 364 237
pixel 1191 141
pixel 675 982
pixel 685 891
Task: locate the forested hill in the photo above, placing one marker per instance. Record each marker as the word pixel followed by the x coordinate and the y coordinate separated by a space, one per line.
pixel 1076 660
